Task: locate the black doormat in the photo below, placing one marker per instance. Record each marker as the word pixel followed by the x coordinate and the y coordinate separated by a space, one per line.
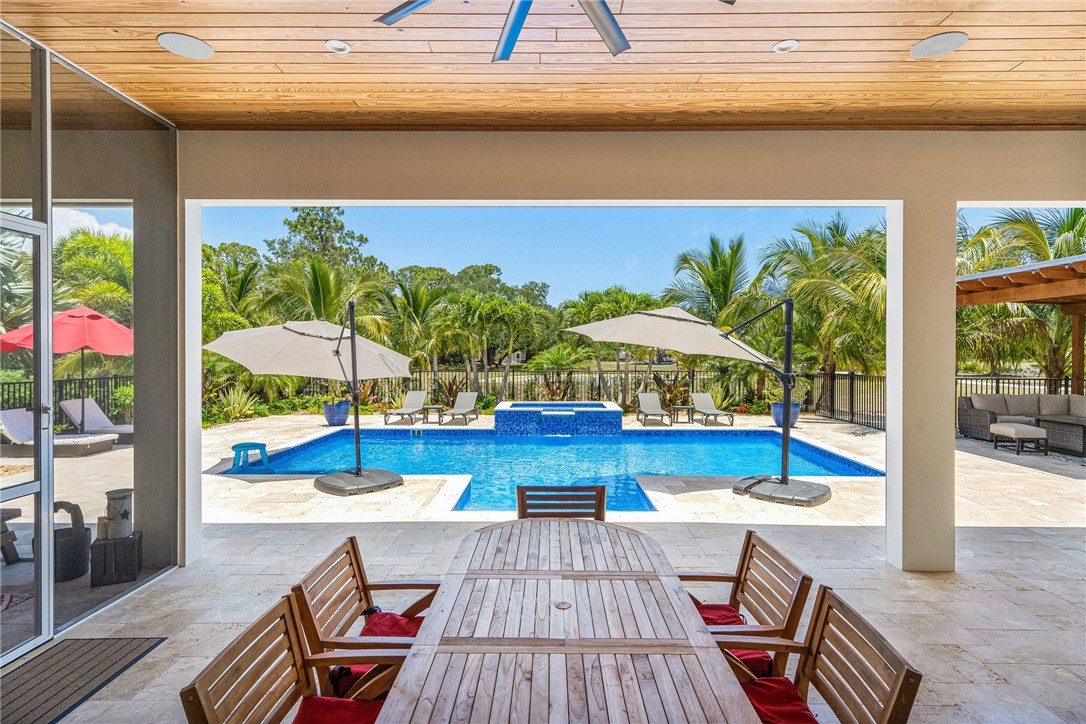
pixel 61 678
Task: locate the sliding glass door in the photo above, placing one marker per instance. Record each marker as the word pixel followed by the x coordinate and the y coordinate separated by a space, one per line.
pixel 26 453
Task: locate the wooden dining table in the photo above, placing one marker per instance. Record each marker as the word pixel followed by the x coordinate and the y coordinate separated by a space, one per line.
pixel 563 620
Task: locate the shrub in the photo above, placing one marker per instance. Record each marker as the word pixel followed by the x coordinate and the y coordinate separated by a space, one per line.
pixel 121 401
pixel 236 403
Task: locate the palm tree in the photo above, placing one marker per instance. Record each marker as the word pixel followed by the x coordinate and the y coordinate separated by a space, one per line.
pixel 619 302
pixel 16 284
pixel 413 310
pixel 707 281
pixel 1044 234
pixel 311 289
pixel 98 268
pixel 521 321
pixel 586 308
pixel 458 320
pixel 838 279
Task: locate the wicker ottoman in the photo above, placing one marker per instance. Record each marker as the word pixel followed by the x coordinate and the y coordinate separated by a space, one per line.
pixel 1019 435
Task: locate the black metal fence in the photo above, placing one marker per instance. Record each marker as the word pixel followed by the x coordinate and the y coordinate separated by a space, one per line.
pixel 100 389
pixel 529 385
pixel 861 399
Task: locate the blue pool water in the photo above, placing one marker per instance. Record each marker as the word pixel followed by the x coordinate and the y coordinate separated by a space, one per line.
pixel 498 463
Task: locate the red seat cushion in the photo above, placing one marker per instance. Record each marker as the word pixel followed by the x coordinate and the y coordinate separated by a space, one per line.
pixel 776 701
pixel 329 710
pixel 377 624
pixel 760 663
pixel 720 614
pixel 391 624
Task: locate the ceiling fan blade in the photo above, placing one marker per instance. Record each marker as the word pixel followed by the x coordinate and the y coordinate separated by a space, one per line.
pixel 402 11
pixel 606 25
pixel 514 21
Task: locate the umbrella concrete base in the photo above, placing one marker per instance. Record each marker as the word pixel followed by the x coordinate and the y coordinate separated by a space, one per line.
pixel 370 481
pixel 796 492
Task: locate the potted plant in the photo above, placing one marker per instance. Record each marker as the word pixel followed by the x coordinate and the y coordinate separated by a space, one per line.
pixel 775 396
pixel 337 408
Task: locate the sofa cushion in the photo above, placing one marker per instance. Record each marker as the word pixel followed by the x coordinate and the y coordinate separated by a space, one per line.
pixel 384 623
pixel 1018 419
pixel 992 403
pixel 1022 404
pixel 1077 405
pixel 1055 404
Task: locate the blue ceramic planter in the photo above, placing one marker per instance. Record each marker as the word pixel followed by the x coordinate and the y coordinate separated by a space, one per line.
pixel 777 410
pixel 336 415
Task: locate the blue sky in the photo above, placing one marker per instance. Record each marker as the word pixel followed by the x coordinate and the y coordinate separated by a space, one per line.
pixel 570 248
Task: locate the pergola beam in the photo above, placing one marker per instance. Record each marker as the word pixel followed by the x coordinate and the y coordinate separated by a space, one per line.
pixel 1063 289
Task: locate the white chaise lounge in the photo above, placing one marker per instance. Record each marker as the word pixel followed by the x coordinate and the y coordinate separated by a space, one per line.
pixel 704 406
pixel 412 405
pixel 97 423
pixel 463 407
pixel 18 427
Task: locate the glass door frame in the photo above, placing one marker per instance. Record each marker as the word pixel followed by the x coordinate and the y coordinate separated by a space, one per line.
pixel 41 487
pixel 39 228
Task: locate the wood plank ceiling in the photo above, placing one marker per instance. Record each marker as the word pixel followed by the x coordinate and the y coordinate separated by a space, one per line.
pixel 694 64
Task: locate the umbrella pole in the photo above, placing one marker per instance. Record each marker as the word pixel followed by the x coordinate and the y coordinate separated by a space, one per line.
pixel 786 385
pixel 354 395
pixel 82 393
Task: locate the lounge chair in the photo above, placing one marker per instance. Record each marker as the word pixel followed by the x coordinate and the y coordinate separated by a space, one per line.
pixel 463 407
pixel 265 672
pixel 412 405
pixel 562 501
pixel 858 674
pixel 704 406
pixel 18 427
pixel 335 595
pixel 648 405
pixel 770 588
pixel 96 421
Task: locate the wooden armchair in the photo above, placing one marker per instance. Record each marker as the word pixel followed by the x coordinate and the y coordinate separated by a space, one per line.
pixel 335 595
pixel 561 501
pixel 851 665
pixel 768 586
pixel 265 671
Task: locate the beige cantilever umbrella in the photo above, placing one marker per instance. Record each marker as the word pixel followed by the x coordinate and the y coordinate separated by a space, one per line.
pixel 670 328
pixel 307 349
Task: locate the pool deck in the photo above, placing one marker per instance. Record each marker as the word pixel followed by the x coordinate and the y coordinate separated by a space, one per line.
pixel 1000 640
pixel 993 488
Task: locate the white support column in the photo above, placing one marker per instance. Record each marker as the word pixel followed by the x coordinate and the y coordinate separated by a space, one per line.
pixel 920 393
pixel 191 382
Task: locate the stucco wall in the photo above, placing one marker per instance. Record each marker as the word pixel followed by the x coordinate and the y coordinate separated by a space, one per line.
pixel 930 172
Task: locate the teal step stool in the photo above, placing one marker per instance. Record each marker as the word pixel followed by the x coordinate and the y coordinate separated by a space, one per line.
pixel 242 450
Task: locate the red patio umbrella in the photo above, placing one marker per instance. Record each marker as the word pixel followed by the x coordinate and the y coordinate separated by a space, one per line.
pixel 80 329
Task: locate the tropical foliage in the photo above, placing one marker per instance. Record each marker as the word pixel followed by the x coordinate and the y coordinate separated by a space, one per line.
pixel 473 320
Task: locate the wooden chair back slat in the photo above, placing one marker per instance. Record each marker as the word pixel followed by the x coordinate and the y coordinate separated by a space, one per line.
pixel 853 667
pixel 258 677
pixel 332 596
pixel 770 585
pixel 562 501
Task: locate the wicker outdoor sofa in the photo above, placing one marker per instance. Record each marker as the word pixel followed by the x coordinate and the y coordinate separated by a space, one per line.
pixel 1063 417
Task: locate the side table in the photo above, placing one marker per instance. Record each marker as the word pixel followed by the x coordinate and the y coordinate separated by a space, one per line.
pixel 688 409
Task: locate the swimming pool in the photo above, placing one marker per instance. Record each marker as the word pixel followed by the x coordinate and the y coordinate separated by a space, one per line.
pixel 499 463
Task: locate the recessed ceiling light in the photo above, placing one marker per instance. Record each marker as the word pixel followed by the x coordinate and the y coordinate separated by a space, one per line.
pixel 940 44
pixel 786 46
pixel 186 46
pixel 338 46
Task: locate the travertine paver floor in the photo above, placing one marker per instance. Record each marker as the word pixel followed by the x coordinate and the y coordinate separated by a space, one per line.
pixel 1002 639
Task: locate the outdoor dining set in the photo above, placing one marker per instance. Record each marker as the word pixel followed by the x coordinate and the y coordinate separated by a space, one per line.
pixel 556 616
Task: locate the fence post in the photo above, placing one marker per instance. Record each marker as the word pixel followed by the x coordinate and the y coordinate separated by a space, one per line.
pixel 851 396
